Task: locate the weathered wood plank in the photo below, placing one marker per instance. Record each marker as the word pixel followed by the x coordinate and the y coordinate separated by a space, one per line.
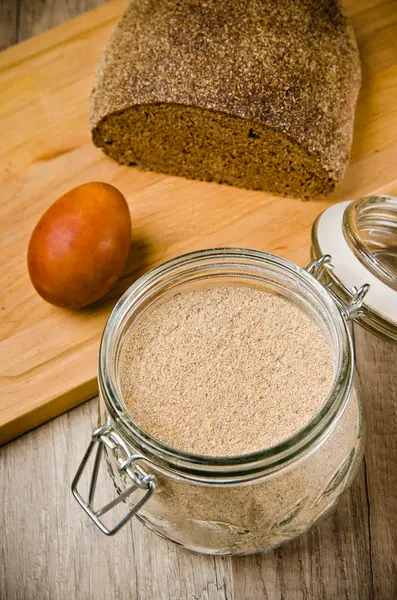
pixel 9 11
pixel 60 554
pixel 378 368
pixel 52 551
pixel 37 16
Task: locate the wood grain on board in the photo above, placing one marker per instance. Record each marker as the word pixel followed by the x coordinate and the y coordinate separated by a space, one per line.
pixel 49 549
pixel 48 356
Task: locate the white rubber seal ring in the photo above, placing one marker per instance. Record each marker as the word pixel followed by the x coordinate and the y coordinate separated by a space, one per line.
pixel 348 269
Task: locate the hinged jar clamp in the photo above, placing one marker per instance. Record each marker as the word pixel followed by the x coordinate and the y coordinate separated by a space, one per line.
pixel 361 237
pixel 127 463
pixel 354 307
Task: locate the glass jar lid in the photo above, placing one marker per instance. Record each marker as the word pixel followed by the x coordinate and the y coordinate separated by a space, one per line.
pixel 361 238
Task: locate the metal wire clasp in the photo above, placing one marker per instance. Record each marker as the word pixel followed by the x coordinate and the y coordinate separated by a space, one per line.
pixel 351 310
pixel 127 463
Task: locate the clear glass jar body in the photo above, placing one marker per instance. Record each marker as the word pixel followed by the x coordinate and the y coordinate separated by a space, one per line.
pixel 262 514
pixel 251 503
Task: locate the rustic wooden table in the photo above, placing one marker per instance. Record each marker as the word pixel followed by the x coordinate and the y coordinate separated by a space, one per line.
pixel 51 551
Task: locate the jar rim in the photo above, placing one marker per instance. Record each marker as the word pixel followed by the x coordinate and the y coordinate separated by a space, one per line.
pixel 235 469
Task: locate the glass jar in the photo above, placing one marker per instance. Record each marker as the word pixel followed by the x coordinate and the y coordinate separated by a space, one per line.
pixel 241 504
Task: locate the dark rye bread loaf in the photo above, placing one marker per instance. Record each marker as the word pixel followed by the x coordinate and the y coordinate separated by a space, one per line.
pixel 255 93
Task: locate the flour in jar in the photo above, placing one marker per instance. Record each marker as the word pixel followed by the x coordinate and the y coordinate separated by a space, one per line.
pixel 224 370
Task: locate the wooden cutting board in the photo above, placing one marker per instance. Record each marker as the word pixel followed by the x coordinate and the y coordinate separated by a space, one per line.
pixel 48 356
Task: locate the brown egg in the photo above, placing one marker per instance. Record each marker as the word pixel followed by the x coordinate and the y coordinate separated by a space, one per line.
pixel 79 247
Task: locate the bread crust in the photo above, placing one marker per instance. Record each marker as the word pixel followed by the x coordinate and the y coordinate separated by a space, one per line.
pixel 292 66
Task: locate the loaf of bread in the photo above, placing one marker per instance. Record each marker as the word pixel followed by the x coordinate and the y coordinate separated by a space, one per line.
pixel 255 93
